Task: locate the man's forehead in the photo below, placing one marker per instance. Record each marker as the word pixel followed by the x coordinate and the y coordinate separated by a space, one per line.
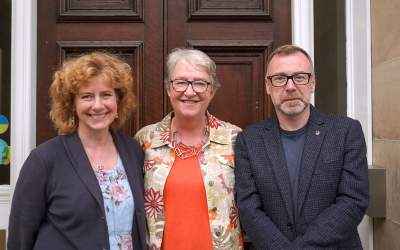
pixel 296 62
pixel 296 56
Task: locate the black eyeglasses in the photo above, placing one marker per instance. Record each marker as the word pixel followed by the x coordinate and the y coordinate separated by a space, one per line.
pixel 282 80
pixel 198 86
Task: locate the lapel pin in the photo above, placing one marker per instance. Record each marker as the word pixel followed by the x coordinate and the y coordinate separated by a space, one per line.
pixel 317 132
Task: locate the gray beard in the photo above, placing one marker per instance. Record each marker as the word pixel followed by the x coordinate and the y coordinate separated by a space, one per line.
pixel 293 108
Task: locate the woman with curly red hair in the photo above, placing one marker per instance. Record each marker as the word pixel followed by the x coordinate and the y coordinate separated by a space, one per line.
pixel 84 188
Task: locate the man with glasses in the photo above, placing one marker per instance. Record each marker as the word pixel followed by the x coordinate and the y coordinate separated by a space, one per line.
pixel 301 175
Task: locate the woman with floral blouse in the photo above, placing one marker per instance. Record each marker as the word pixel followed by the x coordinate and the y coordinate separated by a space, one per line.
pixel 189 164
pixel 84 188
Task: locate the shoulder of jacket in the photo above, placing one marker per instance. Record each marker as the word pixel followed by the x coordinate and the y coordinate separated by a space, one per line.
pixel 143 133
pixel 53 143
pixel 337 120
pixel 257 127
pixel 50 150
pixel 148 128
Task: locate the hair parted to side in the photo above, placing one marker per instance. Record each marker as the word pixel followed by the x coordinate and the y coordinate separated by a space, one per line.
pixel 75 72
pixel 289 50
pixel 197 59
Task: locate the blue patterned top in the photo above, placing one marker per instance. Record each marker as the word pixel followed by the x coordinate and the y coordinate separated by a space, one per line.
pixel 118 204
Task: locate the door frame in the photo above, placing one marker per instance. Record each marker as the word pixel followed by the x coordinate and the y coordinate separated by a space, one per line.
pixel 359 94
pixel 23 95
pixel 23 78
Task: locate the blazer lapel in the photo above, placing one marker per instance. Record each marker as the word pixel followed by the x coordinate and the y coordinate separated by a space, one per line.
pixel 128 157
pixel 275 152
pixel 312 146
pixel 80 162
pixel 133 169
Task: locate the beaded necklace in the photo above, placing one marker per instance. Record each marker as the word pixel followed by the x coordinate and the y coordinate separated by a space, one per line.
pixel 189 150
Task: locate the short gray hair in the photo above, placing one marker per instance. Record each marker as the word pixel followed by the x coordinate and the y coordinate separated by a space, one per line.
pixel 197 59
pixel 290 50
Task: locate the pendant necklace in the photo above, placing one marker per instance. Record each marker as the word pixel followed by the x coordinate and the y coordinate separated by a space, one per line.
pixel 189 150
pixel 100 166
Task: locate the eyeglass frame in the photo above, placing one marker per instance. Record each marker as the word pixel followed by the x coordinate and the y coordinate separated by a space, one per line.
pixel 291 77
pixel 191 83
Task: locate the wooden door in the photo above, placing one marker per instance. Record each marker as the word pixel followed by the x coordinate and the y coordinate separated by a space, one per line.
pixel 237 34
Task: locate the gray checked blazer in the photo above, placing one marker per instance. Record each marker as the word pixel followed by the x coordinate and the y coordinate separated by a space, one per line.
pixel 333 190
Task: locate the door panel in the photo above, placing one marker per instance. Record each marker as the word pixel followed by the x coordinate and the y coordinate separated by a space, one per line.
pixel 109 10
pixel 67 27
pixel 238 36
pixel 229 10
pixel 242 98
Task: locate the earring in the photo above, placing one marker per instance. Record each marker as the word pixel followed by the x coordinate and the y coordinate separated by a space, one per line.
pixel 116 117
pixel 73 119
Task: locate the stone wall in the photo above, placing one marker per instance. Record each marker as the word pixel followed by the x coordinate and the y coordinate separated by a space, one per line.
pixel 385 22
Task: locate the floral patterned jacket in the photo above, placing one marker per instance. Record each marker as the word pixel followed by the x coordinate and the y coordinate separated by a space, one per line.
pixel 217 167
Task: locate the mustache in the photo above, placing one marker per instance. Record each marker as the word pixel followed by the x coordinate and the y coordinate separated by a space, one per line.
pixel 292 96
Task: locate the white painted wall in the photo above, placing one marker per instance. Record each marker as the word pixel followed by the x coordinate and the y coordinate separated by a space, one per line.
pixel 23 95
pixel 4 206
pixel 4 214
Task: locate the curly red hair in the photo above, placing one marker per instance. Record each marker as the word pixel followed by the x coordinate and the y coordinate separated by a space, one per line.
pixel 74 73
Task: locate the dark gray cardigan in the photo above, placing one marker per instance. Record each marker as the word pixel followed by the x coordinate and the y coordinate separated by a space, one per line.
pixel 58 203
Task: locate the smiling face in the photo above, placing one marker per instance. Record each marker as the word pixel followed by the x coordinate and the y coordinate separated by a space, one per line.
pixel 291 99
pixel 95 105
pixel 189 104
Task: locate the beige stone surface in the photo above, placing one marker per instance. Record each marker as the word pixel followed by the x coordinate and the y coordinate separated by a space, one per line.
pixel 386 235
pixel 387 154
pixel 386 100
pixel 385 30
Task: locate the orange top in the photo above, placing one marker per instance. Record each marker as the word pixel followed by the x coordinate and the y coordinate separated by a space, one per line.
pixel 185 204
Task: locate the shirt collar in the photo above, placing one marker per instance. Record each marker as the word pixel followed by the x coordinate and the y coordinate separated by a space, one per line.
pixel 161 134
pixel 217 129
